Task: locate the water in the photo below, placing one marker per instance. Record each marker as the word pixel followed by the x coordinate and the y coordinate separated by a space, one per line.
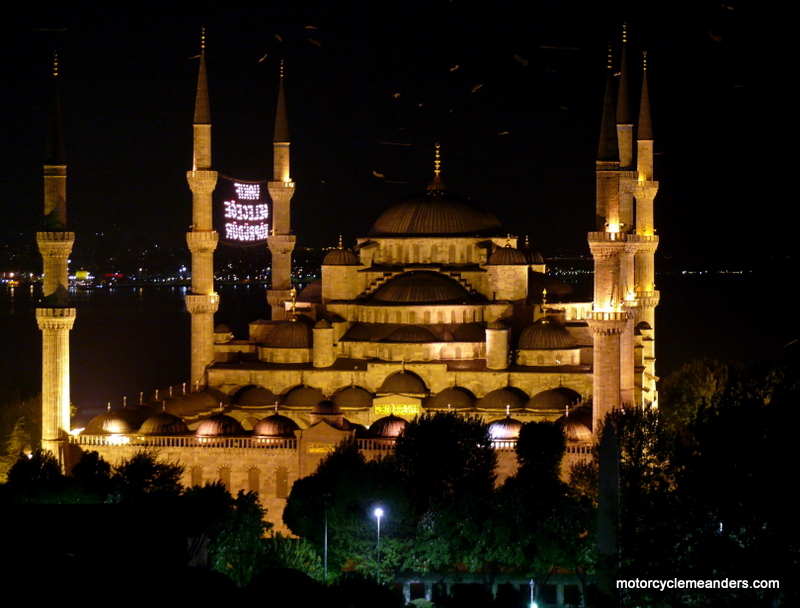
pixel 128 340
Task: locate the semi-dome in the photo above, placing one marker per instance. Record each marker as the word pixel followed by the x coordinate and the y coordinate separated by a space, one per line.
pixel 546 334
pixel 502 398
pixel 388 427
pixel 353 397
pixel 402 382
pixel 291 334
pixel 420 287
pixel 507 256
pixel 275 425
pixel 411 334
pixel 453 397
pixel 558 398
pixel 437 212
pixel 164 424
pixel 255 396
pixel 109 423
pixel 506 428
pixel 219 425
pixel 303 396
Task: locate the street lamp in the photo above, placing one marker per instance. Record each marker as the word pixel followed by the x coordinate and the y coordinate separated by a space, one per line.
pixel 378 513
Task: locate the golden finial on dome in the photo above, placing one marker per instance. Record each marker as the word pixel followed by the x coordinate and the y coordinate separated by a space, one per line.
pixel 340 242
pixel 203 39
pixel 436 184
pixel 610 58
pixel 293 293
pixel 281 72
pixel 508 240
pixel 55 64
pixel 624 32
pixel 644 60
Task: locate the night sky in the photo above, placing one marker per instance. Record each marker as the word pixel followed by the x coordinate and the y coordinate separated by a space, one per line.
pixel 513 96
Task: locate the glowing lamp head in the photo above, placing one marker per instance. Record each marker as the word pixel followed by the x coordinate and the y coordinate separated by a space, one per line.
pixel 378 512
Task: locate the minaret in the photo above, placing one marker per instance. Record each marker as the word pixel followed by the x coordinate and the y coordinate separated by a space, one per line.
pixel 608 318
pixel 281 189
pixel 54 315
pixel 645 192
pixel 203 301
pixel 627 184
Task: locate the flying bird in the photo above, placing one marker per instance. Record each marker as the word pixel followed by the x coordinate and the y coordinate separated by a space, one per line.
pixel 312 41
pixel 521 60
pixel 475 88
pixel 263 58
pixel 376 174
pixel 454 68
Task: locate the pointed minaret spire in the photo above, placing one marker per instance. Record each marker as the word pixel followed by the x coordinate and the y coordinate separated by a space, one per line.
pixel 202 109
pixel 624 117
pixel 608 149
pixel 281 241
pixel 645 123
pixel 608 163
pixel 202 302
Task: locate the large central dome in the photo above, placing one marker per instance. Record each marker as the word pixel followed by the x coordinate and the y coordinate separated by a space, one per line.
pixel 437 213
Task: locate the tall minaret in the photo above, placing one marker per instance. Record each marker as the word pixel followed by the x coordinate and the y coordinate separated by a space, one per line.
pixel 203 301
pixel 645 192
pixel 54 315
pixel 281 189
pixel 608 318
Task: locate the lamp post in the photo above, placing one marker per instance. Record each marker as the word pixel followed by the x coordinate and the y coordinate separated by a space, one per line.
pixel 378 514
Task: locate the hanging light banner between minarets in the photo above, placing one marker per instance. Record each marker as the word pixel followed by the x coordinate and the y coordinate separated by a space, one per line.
pixel 242 211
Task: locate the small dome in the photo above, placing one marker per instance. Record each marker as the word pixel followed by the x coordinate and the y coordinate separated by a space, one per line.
pixel 507 428
pixel 412 334
pixel 256 396
pixel 507 256
pixel 421 287
pixel 388 427
pixel 546 334
pixel 323 324
pixel 275 425
pixel 311 293
pixel 454 397
pixel 559 398
pixel 402 382
pixel 135 416
pixel 110 423
pixel 341 257
pixel 501 399
pixel 291 334
pixel 353 397
pixel 164 424
pixel 222 329
pixel 574 430
pixel 219 425
pixel 303 396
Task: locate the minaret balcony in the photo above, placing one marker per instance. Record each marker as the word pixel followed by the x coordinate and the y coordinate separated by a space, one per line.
pixel 56 318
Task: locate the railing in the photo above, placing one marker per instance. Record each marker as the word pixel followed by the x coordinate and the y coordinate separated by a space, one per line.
pixel 260 443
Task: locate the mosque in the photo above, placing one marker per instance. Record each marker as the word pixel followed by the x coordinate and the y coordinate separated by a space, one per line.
pixel 436 309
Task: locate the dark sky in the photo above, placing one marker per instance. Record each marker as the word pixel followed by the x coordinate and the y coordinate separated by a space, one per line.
pixel 513 95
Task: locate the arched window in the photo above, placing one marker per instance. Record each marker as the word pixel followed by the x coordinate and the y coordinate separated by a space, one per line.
pixel 197 475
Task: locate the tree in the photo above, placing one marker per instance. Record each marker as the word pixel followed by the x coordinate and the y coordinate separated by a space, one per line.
pixel 143 474
pixel 236 546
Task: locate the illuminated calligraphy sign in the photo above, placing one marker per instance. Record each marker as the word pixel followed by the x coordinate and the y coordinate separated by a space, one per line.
pixel 246 215
pixel 321 448
pixel 402 409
